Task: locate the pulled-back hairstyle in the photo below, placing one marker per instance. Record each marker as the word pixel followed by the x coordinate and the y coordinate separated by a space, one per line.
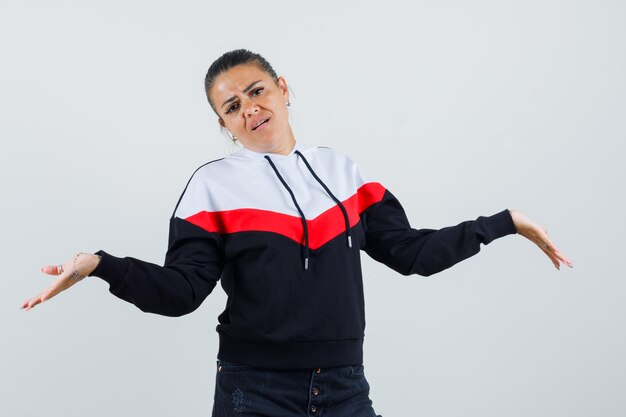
pixel 229 60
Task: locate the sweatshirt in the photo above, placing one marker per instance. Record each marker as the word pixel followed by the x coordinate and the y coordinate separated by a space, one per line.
pixel 283 236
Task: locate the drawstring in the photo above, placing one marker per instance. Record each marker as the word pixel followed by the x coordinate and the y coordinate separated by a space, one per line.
pixel 304 225
pixel 341 206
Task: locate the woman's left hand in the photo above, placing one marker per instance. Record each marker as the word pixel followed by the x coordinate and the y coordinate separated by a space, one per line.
pixel 538 235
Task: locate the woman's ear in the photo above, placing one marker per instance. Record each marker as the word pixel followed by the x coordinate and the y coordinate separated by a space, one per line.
pixel 282 84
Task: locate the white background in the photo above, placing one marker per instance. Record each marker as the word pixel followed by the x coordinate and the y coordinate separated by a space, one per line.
pixel 460 108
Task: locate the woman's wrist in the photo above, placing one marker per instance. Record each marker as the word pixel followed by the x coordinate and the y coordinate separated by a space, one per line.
pixel 86 263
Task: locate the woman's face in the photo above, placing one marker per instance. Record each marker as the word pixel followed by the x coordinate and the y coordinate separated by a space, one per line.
pixel 253 108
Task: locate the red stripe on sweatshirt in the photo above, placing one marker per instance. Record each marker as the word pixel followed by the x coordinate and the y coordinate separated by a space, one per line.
pixel 322 229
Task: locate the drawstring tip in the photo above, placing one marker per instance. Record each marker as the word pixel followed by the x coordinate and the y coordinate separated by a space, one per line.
pixel 306 263
pixel 349 241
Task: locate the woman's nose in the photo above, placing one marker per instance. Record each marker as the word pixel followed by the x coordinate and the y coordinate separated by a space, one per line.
pixel 250 108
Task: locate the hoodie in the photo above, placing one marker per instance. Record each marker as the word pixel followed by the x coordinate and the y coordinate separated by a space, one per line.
pixel 283 236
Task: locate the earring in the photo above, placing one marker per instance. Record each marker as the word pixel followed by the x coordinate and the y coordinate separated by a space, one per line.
pixel 288 103
pixel 234 139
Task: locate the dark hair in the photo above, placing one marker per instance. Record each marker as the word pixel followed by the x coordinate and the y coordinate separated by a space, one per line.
pixel 231 59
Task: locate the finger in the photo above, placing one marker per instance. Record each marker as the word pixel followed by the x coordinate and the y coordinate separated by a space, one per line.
pixel 565 260
pixel 52 269
pixel 44 296
pixel 32 302
pixel 553 258
pixel 550 250
pixel 545 247
pixel 558 255
pixel 27 307
pixel 560 259
pixel 555 261
pixel 28 301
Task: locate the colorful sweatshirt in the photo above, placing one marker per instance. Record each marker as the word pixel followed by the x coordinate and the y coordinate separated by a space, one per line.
pixel 283 235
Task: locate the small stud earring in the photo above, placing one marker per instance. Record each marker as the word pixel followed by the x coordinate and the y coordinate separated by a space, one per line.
pixel 288 103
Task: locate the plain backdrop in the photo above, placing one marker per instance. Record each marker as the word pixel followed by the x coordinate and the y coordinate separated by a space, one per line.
pixel 460 108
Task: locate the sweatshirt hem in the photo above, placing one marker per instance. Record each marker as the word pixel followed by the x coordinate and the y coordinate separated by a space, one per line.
pixel 291 355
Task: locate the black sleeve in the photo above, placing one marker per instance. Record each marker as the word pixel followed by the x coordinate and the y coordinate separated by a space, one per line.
pixel 390 239
pixel 193 265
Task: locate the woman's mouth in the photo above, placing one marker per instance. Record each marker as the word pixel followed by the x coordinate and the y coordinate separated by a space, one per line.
pixel 261 124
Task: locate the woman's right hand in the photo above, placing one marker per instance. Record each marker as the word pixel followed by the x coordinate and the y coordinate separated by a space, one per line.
pixel 538 235
pixel 85 264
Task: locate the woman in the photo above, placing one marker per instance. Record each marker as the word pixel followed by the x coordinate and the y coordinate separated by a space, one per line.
pixel 282 224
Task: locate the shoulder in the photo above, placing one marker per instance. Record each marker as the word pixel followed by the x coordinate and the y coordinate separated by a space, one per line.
pixel 196 180
pixel 204 172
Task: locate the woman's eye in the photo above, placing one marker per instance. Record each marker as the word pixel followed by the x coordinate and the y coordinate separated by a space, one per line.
pixel 232 108
pixel 257 91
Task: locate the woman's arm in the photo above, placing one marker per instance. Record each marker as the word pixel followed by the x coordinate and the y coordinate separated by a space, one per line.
pixel 391 240
pixel 193 265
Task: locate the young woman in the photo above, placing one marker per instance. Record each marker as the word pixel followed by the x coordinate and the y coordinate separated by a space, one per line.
pixel 282 224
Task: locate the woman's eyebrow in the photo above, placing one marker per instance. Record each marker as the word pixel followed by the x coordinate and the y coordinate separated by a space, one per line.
pixel 245 90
